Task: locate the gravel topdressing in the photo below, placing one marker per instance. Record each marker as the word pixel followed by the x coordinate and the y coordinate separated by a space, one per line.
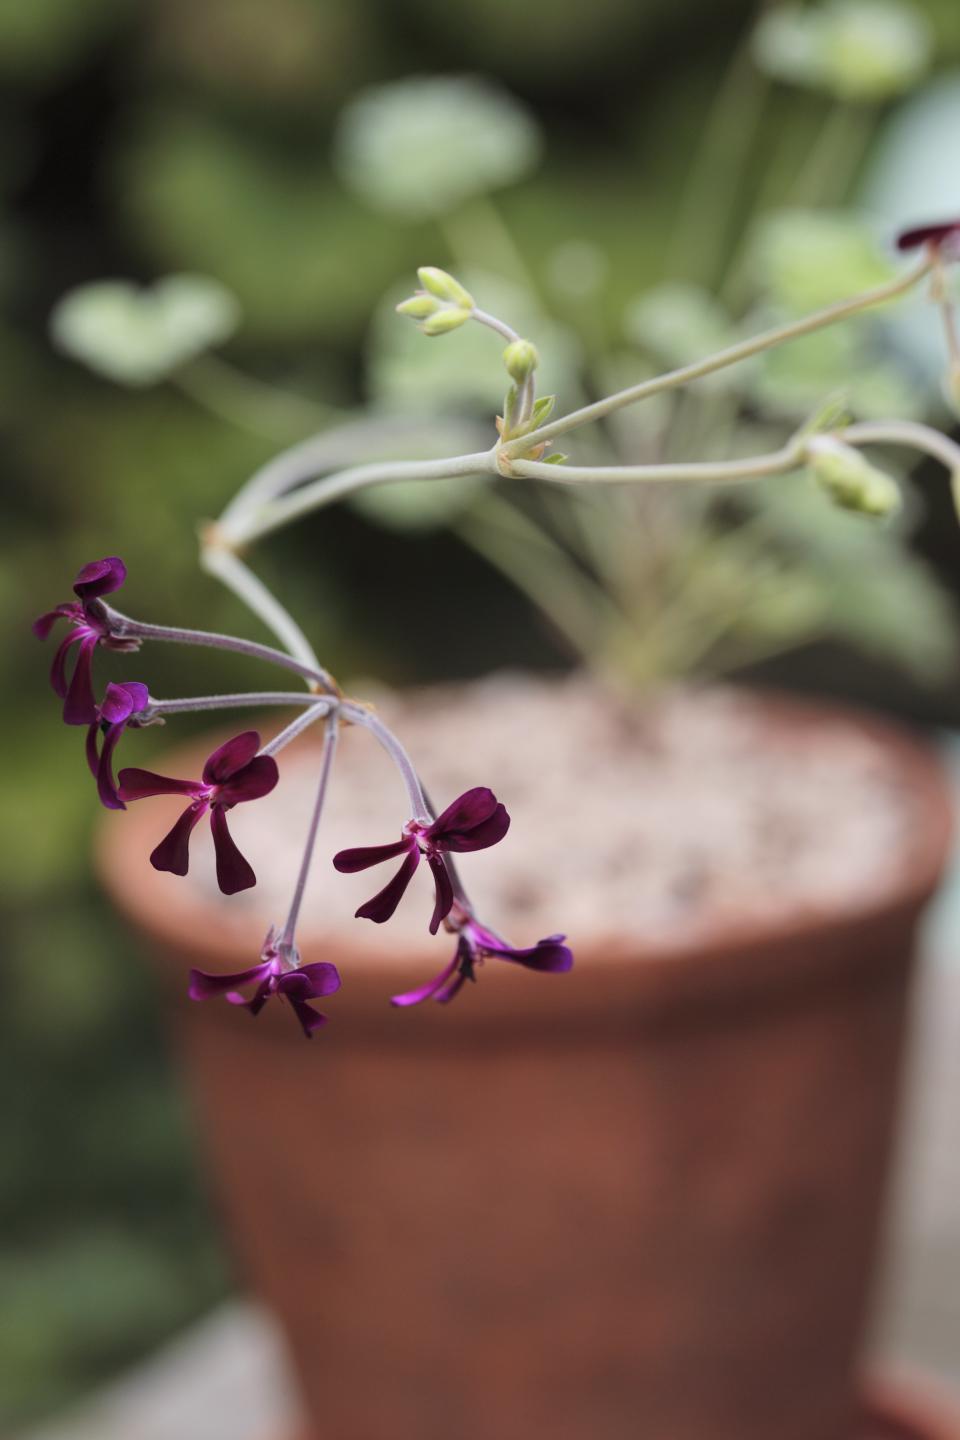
pixel 665 822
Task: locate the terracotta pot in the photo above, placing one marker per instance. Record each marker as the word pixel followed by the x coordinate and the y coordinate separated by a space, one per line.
pixel 905 1411
pixel 640 1200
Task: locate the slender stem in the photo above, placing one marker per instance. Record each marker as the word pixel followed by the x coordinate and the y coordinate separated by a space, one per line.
pixel 492 323
pixel 826 175
pixel 705 472
pixel 329 746
pixel 124 628
pixel 239 578
pixel 339 446
pixel 322 492
pixel 727 139
pixel 730 356
pixel 249 403
pixel 909 433
pixel 477 233
pixel 246 699
pixel 297 727
pixel 418 801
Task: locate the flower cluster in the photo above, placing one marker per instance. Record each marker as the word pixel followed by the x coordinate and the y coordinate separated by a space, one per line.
pixel 242 770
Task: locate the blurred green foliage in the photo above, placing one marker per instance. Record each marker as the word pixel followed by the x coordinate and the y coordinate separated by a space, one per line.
pixel 166 137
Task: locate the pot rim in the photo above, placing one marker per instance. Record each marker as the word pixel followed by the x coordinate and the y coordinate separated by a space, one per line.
pixel 720 965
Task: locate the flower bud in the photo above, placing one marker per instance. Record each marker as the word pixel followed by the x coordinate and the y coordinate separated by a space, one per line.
pixel 445 320
pixel 418 307
pixel 444 287
pixel 850 480
pixel 521 359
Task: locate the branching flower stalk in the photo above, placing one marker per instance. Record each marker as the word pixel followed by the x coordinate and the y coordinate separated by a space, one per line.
pixel 306 478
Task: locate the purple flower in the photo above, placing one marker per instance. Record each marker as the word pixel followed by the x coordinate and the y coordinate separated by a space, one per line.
pixel 119 708
pixel 475 943
pixel 232 774
pixel 945 235
pixel 475 820
pixel 279 973
pixel 89 629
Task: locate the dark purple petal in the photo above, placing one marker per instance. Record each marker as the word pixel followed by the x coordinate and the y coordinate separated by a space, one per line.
pixel 79 707
pixel 100 577
pixel 45 623
pixel 251 783
pixel 310 1019
pixel 311 982
pixel 260 999
pixel 123 700
pixel 58 669
pixel 487 833
pixel 140 784
pixel 106 785
pixel 234 873
pixel 204 986
pixel 383 904
pixel 350 861
pixel 425 992
pixel 454 985
pixel 173 852
pixel 443 887
pixel 469 809
pixel 475 820
pixel 549 955
pixel 231 757
pixel 928 234
pixel 93 754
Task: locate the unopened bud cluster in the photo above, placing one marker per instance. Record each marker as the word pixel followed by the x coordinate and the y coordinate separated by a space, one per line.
pixel 441 305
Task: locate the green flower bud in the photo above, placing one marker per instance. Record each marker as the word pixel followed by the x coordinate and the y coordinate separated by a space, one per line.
pixel 439 283
pixel 850 480
pixel 443 321
pixel 521 359
pixel 418 307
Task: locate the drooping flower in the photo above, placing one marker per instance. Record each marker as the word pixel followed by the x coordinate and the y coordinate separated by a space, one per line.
pixel 476 943
pixel 89 628
pixel 233 774
pixel 942 236
pixel 279 973
pixel 118 709
pixel 473 821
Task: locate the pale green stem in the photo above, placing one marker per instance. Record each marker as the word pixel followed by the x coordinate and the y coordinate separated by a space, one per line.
pixel 707 472
pixel 477 235
pixel 832 161
pixel 730 356
pixel 248 403
pixel 231 570
pixel 728 133
pixel 531 561
pixel 909 433
pixel 273 516
pixel 329 746
pixel 335 448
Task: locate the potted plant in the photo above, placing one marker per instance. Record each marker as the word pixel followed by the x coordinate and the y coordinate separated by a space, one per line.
pixel 642 1189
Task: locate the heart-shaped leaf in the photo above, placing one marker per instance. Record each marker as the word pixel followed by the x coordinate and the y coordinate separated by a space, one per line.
pixel 139 335
pixel 419 147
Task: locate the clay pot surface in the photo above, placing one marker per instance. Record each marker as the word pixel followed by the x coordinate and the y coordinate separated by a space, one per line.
pixel 642 1198
pixel 906 1410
